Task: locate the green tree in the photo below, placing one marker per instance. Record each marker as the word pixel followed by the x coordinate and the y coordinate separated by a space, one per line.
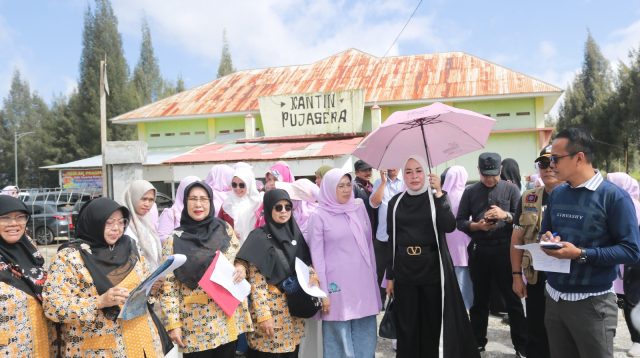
pixel 24 112
pixel 100 40
pixel 226 65
pixel 586 101
pixel 146 76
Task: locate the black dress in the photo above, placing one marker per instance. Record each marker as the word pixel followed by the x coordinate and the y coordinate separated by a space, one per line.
pixel 419 283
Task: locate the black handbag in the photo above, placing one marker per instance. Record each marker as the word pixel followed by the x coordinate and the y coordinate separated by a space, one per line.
pixel 300 303
pixel 388 324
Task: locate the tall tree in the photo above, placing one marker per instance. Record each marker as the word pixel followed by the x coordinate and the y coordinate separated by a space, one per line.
pixel 146 76
pixel 226 64
pixel 100 40
pixel 25 112
pixel 586 100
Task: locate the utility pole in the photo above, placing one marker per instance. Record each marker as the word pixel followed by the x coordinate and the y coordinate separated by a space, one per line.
pixel 104 91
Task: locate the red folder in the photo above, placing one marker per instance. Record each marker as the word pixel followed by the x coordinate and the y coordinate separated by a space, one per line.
pixel 223 298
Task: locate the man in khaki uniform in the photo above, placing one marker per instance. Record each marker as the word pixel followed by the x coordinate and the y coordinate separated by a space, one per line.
pixel 526 228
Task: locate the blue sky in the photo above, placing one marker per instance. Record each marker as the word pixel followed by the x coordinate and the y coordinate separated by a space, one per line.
pixel 543 39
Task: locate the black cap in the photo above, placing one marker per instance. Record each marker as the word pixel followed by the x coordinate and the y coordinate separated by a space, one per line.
pixel 361 165
pixel 489 164
pixel 545 154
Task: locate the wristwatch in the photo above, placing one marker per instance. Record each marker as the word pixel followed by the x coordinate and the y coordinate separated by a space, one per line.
pixel 582 259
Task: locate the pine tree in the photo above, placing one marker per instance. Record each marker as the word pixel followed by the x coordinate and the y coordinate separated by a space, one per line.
pixel 100 39
pixel 146 76
pixel 226 65
pixel 586 100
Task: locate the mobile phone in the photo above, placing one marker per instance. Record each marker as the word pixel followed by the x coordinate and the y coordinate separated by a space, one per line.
pixel 551 245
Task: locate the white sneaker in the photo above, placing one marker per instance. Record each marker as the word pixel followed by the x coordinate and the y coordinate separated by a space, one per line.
pixel 634 351
pixel 394 344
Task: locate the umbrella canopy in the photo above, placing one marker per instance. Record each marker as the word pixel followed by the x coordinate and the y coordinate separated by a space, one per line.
pixel 438 131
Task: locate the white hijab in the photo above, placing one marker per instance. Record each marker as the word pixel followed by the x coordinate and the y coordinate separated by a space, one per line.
pixel 425 169
pixel 243 210
pixel 142 227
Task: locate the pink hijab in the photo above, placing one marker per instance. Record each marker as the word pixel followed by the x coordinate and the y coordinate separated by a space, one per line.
pixel 628 184
pixel 454 183
pixel 219 179
pixel 328 200
pixel 282 172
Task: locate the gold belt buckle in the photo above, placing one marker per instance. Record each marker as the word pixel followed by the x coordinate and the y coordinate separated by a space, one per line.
pixel 414 250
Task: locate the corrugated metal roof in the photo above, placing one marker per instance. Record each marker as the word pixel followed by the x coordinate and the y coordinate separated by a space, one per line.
pixel 390 79
pixel 234 152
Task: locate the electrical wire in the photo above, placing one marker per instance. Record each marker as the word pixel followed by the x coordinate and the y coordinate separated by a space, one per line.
pixel 401 31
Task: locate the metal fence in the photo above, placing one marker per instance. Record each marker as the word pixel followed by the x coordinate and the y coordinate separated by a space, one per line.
pixel 53 212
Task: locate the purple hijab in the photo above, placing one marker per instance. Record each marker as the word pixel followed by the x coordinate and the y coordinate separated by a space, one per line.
pixel 628 184
pixel 454 184
pixel 328 201
pixel 219 179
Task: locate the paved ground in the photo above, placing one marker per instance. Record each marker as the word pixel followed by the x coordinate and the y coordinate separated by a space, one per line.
pixel 500 342
pixel 498 333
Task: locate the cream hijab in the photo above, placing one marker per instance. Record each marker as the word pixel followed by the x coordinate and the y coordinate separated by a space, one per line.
pixel 243 210
pixel 142 227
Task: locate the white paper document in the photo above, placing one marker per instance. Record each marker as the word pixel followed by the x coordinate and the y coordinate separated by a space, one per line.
pixel 223 276
pixel 544 262
pixel 303 274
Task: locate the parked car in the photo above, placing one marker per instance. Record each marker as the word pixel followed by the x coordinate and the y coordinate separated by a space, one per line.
pixel 163 201
pixel 49 221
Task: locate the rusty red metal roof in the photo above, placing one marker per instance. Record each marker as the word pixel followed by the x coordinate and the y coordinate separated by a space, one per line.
pixel 234 152
pixel 390 79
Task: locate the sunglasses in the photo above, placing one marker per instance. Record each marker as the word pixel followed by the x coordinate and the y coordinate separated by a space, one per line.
pixel 543 164
pixel 279 207
pixel 556 158
pixel 236 185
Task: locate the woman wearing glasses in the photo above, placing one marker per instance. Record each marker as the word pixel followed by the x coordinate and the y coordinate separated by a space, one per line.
pixel 24 331
pixel 271 251
pixel 339 238
pixel 90 279
pixel 243 207
pixel 194 321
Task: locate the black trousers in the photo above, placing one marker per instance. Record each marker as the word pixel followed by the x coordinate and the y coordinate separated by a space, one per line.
pixel 537 343
pixel 224 351
pixel 635 335
pixel 487 263
pixel 418 318
pixel 257 354
pixel 382 260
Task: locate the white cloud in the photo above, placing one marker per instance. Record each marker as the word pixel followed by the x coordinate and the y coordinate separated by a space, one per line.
pixel 621 42
pixel 277 33
pixel 547 50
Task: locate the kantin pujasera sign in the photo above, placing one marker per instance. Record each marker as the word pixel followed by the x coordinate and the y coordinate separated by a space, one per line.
pixel 312 113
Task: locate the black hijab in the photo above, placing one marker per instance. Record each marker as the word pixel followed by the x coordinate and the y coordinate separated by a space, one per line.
pixel 274 247
pixel 511 172
pixel 20 263
pixel 108 265
pixel 199 240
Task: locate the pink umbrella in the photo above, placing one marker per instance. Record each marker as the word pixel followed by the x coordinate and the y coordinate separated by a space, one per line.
pixel 445 133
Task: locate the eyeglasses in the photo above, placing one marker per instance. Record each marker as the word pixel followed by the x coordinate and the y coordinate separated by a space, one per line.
pixel 199 199
pixel 556 158
pixel 279 207
pixel 120 223
pixel 345 186
pixel 19 219
pixel 543 164
pixel 236 185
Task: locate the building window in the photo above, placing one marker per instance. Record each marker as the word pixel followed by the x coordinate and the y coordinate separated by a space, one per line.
pixel 185 133
pixel 226 131
pixel 487 114
pixel 503 114
pixel 523 113
pixel 199 133
pixel 154 135
pixel 238 130
pixel 169 134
